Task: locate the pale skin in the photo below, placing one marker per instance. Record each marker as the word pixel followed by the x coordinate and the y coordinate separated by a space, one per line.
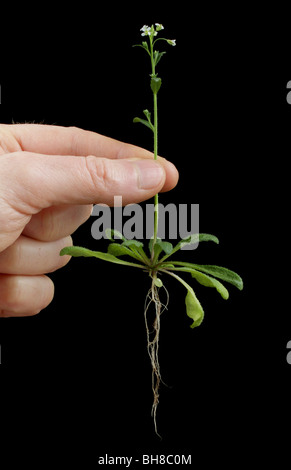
pixel 50 177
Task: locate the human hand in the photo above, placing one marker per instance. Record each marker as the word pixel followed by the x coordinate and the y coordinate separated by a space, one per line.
pixel 49 178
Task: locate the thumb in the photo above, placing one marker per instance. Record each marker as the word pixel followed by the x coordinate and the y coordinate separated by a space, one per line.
pixel 40 181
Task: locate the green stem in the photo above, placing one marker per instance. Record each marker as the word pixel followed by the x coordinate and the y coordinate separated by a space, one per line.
pixel 156 199
pixel 155 126
pixel 185 284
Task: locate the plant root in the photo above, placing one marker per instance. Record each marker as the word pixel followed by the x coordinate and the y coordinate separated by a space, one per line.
pixel 153 337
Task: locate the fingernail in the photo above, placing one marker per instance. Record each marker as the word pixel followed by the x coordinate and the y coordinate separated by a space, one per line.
pixel 151 174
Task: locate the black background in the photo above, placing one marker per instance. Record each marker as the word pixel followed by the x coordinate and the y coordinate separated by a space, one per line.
pixel 76 379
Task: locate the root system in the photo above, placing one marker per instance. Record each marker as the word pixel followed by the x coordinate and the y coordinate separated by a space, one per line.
pixel 153 336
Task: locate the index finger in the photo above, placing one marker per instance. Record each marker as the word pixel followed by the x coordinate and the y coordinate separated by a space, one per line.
pixel 58 140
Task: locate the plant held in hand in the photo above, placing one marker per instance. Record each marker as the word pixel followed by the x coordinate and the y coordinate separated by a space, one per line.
pixel 157 260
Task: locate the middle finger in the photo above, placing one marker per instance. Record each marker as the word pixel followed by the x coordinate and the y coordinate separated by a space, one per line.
pixel 57 222
pixel 33 257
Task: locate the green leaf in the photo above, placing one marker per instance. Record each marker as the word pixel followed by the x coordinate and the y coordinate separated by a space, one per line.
pixel 194 308
pixel 222 273
pixel 80 251
pixel 137 247
pixel 144 122
pixel 158 282
pixel 116 249
pixel 112 234
pixel 204 280
pixel 194 238
pixel 144 45
pixel 131 243
pixel 147 115
pixel 157 250
pixel 157 56
pixel 160 246
pixel 217 271
pixel 156 83
pixel 210 282
pixel 167 247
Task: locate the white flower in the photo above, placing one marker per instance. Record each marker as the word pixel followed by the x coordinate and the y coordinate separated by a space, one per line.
pixel 159 26
pixel 172 42
pixel 146 30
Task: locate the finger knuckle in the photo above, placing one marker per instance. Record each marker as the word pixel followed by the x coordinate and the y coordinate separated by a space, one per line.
pixel 101 173
pixel 8 142
pixel 74 139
